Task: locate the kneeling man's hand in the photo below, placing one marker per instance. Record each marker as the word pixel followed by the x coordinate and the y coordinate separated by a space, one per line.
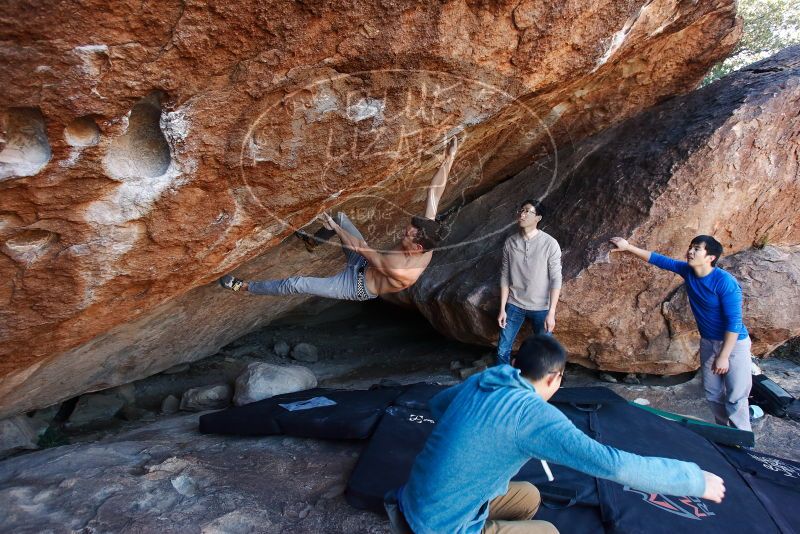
pixel 715 487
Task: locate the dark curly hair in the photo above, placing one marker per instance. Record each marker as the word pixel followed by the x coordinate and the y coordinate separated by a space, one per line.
pixel 429 232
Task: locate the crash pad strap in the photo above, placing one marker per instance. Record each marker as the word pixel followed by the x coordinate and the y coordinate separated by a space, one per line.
pixel 557 497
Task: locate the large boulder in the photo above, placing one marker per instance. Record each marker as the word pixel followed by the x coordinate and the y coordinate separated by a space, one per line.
pixel 721 160
pixel 149 147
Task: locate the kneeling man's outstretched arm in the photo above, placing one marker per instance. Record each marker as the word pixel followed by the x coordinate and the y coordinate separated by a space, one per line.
pixel 547 434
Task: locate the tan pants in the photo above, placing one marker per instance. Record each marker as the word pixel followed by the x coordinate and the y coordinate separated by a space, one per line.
pixel 511 513
pixel 508 514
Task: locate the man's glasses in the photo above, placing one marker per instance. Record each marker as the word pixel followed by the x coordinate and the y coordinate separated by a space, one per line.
pixel 527 212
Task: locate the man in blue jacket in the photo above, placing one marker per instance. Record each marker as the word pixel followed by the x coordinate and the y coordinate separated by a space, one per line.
pixel 716 301
pixel 491 425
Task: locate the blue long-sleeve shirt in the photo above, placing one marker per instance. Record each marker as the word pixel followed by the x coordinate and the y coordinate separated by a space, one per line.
pixel 490 426
pixel 716 299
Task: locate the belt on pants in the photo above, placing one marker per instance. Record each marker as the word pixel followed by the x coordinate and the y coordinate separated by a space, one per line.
pixel 361 283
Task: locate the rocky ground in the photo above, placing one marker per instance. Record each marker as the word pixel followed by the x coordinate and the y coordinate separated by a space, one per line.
pixel 160 474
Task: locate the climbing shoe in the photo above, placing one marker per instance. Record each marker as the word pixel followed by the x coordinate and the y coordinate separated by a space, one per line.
pixel 229 282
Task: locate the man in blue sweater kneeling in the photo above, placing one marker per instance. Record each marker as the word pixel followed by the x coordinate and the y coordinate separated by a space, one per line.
pixel 491 425
pixel 716 301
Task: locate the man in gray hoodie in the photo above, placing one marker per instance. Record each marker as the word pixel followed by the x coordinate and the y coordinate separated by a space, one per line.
pixel 491 425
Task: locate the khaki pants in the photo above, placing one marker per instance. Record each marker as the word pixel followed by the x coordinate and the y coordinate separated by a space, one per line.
pixel 511 513
pixel 508 514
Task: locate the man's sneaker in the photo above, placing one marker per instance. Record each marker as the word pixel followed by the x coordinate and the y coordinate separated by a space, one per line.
pixel 229 282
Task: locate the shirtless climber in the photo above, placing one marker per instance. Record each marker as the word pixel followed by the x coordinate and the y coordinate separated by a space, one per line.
pixel 369 273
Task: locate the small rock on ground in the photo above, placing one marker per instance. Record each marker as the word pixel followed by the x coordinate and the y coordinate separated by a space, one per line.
pixel 170 404
pixel 206 398
pixel 305 352
pixel 281 348
pixel 263 380
pixel 631 378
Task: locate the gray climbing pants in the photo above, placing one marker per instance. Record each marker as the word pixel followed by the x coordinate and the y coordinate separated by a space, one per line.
pixel 348 284
pixel 727 394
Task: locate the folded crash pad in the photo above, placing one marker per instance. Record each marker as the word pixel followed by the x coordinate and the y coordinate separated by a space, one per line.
pixel 774 399
pixel 314 413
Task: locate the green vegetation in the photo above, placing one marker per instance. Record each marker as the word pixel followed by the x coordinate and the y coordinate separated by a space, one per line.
pixel 769 26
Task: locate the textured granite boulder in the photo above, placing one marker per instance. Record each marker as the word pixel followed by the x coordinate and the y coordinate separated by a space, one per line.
pixel 721 160
pixel 149 147
pixel 95 409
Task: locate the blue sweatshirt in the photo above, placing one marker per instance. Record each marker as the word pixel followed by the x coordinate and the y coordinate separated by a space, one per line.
pixel 716 299
pixel 491 425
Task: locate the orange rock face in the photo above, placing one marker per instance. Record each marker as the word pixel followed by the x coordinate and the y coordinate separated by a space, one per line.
pixel 149 147
pixel 722 160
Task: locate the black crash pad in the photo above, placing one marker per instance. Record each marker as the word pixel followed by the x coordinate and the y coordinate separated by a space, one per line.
pixel 386 461
pixel 763 491
pixel 575 502
pixel 628 510
pixel 775 482
pixel 353 416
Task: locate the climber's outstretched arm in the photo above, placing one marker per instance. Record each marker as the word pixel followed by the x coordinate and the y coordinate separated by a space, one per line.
pixel 439 181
